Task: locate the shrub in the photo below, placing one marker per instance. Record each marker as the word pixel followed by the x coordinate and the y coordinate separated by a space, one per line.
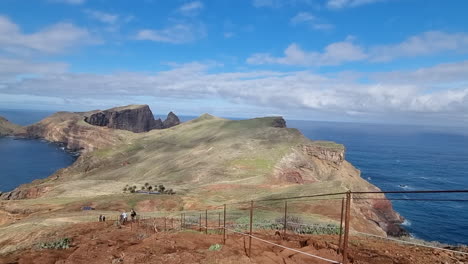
pixel 63 243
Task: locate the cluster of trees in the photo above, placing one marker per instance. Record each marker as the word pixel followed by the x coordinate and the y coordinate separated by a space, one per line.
pixel 148 187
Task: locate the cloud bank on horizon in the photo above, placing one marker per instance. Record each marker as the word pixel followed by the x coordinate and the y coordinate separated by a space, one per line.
pixel 344 60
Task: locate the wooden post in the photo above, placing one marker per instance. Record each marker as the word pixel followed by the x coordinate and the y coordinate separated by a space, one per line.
pixel 347 227
pixel 251 223
pixel 224 226
pixel 285 218
pixel 341 225
pixel 199 224
pixel 181 221
pixel 206 221
pixel 219 220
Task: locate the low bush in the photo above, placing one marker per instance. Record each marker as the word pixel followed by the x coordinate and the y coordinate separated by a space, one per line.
pixel 63 243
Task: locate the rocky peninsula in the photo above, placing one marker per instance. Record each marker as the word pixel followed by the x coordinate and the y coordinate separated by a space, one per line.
pixel 208 160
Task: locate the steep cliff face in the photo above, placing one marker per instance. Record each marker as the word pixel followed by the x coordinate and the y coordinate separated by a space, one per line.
pixel 69 128
pixel 135 118
pixel 171 120
pixel 322 162
pixel 7 128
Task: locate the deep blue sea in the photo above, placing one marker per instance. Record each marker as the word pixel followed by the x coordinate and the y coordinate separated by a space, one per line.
pixel 392 157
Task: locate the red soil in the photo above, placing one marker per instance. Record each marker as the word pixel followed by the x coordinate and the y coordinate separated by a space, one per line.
pixel 108 243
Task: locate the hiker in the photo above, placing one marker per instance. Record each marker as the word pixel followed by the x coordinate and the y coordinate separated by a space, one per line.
pixel 100 218
pixel 133 214
pixel 103 218
pixel 123 218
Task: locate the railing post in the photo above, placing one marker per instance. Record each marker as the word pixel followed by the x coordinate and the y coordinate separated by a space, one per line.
pixel 206 221
pixel 199 224
pixel 184 222
pixel 165 228
pixel 219 220
pixel 285 218
pixel 251 222
pixel 181 225
pixel 224 225
pixel 347 227
pixel 341 225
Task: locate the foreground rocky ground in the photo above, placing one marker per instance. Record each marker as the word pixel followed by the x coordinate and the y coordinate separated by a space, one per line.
pixel 109 243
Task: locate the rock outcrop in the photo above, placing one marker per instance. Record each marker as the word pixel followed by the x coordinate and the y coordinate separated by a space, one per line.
pixel 171 120
pixel 334 153
pixel 279 122
pixel 68 128
pixel 135 118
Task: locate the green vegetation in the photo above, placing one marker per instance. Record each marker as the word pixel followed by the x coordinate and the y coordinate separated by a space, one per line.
pixel 63 243
pixel 147 187
pixel 215 247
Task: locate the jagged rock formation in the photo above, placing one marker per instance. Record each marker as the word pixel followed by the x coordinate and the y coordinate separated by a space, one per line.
pixel 279 122
pixel 135 118
pixel 7 128
pixel 171 120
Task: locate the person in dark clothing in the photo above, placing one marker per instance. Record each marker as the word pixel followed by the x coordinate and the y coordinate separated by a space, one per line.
pixel 100 218
pixel 103 218
pixel 133 214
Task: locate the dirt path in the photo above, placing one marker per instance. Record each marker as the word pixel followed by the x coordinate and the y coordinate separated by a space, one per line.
pixel 107 243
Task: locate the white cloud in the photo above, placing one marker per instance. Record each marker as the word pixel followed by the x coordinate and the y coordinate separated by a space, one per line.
pixel 56 38
pixel 13 67
pixel 309 19
pixel 285 91
pixel 302 17
pixel 191 8
pixel 280 3
pixel 337 4
pixel 70 2
pixel 427 43
pixel 333 54
pixel 102 16
pixel 176 34
pixel 424 44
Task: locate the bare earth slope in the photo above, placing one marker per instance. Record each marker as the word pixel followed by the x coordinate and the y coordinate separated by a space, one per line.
pixel 105 243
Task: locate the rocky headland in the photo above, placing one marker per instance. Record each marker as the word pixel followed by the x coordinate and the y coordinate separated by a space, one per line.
pixel 7 128
pixel 208 160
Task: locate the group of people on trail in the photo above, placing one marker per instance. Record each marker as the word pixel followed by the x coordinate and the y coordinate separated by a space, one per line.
pixel 102 218
pixel 124 217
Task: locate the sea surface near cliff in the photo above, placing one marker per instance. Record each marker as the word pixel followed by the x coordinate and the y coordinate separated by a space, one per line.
pixel 403 157
pixel 392 157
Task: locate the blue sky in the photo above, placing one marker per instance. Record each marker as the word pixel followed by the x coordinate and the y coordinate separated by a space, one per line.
pixel 399 61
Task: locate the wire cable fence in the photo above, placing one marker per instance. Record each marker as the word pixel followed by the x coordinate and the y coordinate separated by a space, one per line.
pixel 267 220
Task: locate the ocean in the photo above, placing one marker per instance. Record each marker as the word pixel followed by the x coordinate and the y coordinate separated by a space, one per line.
pixel 392 157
